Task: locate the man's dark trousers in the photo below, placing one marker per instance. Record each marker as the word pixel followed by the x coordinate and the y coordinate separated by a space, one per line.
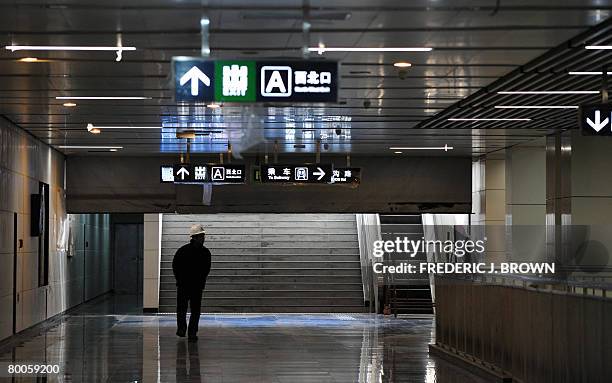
pixel 188 296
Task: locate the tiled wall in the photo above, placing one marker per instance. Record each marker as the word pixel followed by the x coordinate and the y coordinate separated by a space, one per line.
pixel 24 162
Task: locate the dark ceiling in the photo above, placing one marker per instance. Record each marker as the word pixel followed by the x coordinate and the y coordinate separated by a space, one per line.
pixel 474 43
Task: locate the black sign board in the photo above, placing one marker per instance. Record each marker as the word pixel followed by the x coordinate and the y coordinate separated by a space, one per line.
pixel 346 175
pixel 596 120
pixel 250 81
pixel 306 173
pixel 203 173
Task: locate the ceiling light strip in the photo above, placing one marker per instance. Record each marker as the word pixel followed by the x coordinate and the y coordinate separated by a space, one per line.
pixel 489 119
pixel 323 49
pixel 445 148
pixel 536 107
pixel 586 73
pixel 102 98
pixel 598 47
pixel 14 48
pixel 550 92
pixel 88 147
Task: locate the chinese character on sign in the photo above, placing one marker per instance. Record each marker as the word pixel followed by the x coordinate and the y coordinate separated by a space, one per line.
pixel 336 173
pixel 286 172
pixel 347 173
pixel 235 80
pixel 325 78
pixel 300 77
pixel 301 174
pixel 313 78
pixel 200 173
pixel 271 171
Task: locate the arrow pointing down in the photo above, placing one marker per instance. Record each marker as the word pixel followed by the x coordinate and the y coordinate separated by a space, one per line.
pixel 598 124
pixel 194 75
pixel 319 173
pixel 182 172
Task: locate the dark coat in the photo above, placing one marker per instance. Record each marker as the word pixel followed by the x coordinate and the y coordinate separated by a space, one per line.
pixel 191 265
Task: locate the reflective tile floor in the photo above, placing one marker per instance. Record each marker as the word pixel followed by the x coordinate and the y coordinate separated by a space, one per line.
pixel 107 341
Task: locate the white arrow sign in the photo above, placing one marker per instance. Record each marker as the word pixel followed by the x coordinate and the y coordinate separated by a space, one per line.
pixel 195 75
pixel 598 124
pixel 182 172
pixel 319 173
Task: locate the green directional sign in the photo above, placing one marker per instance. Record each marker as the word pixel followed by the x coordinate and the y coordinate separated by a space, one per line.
pixel 236 81
pixel 248 81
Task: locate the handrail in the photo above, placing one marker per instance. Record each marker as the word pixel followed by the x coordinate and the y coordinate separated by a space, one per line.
pixel 368 231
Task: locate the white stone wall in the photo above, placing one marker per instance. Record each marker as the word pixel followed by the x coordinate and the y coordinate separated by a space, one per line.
pixel 24 162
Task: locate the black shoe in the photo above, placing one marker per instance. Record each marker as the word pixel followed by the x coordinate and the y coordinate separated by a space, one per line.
pixel 180 333
pixel 192 338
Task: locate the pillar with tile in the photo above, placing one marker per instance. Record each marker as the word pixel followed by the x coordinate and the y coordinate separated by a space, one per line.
pixel 152 257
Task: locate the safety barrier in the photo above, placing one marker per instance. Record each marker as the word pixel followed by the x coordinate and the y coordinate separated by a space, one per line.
pixel 525 330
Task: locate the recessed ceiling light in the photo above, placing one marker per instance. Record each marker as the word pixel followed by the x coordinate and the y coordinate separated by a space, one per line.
pixel 29 59
pixel 322 49
pixel 69 104
pixel 583 73
pixel 536 107
pixel 445 148
pixel 489 119
pixel 550 92
pixel 88 147
pixel 112 150
pixel 402 64
pixel 398 152
pixel 102 98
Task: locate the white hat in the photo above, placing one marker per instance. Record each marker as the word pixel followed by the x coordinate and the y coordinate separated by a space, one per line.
pixel 196 229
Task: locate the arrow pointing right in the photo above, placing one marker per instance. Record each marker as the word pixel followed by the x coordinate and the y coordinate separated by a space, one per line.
pixel 598 124
pixel 194 75
pixel 182 172
pixel 319 173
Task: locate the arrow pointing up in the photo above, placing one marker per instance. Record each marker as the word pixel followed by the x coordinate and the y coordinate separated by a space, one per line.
pixel 182 172
pixel 194 75
pixel 598 124
pixel 319 173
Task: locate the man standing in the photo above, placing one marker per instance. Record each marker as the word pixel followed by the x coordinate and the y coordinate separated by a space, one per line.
pixel 191 265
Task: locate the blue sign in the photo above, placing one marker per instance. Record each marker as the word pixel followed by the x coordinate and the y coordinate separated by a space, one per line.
pixel 194 80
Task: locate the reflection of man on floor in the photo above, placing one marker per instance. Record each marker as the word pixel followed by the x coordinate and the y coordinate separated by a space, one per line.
pixel 182 375
pixel 191 265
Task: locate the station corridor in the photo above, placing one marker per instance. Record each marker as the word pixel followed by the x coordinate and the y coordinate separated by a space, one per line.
pixel 107 340
pixel 289 191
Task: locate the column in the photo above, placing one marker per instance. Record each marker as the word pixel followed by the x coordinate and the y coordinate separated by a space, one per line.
pixel 152 258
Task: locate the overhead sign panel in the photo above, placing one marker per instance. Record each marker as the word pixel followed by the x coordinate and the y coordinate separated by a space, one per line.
pixel 306 173
pixel 198 80
pixel 596 120
pixel 203 173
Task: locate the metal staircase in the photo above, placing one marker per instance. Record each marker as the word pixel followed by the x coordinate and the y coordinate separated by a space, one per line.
pixel 405 293
pixel 271 262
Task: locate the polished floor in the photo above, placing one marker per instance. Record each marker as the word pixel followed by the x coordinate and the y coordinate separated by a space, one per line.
pixel 110 341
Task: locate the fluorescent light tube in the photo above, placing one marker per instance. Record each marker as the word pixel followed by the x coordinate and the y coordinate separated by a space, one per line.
pixel 324 49
pixel 102 98
pixel 536 106
pixel 550 92
pixel 583 73
pixel 88 147
pixel 14 48
pixel 489 119
pixel 445 148
pixel 598 47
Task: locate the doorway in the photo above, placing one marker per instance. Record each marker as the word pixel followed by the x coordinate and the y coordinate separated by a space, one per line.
pixel 128 258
